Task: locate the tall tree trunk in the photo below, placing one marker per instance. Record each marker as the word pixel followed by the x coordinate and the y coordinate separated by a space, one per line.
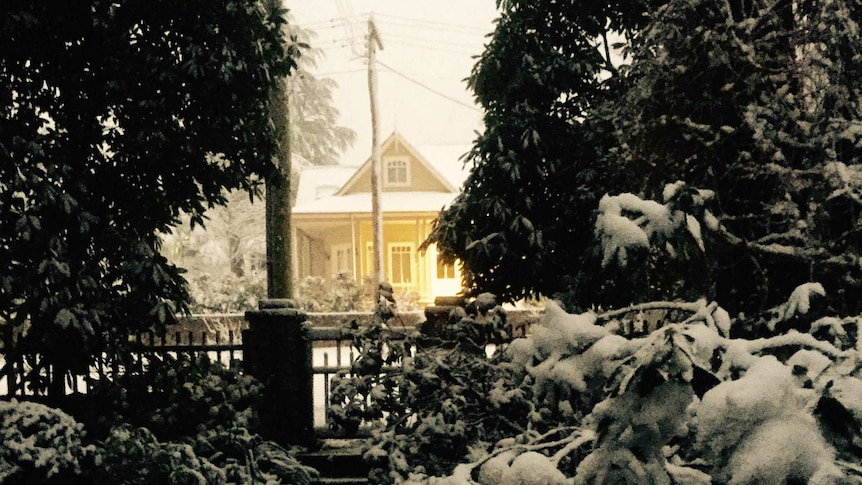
pixel 278 244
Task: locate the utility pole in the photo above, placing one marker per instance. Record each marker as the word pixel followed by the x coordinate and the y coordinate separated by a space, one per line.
pixel 374 42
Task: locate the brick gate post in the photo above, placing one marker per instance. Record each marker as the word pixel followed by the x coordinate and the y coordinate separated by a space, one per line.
pixel 277 352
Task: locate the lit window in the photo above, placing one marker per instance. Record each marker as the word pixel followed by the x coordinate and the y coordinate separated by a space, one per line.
pixel 445 271
pixel 396 172
pixel 401 264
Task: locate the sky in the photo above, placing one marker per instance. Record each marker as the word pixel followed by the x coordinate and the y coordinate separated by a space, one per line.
pixel 428 51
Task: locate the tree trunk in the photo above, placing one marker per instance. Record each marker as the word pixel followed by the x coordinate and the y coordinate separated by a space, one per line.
pixel 278 247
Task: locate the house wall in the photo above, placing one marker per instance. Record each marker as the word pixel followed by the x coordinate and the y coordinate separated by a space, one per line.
pixel 316 255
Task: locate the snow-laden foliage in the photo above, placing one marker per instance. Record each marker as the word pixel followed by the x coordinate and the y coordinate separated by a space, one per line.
pixel 115 118
pixel 131 455
pixel 39 443
pixel 181 422
pixel 627 223
pixel 687 402
pixel 755 101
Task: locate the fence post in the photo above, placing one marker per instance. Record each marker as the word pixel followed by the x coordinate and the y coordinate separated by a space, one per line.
pixel 277 352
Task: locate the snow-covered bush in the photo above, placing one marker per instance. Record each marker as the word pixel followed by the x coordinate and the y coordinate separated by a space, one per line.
pixel 40 443
pixel 176 398
pixel 341 293
pixel 131 455
pixel 688 403
pixel 433 404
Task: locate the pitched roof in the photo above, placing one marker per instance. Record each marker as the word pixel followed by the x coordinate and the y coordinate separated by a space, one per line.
pixel 320 181
pixel 317 192
pixel 396 139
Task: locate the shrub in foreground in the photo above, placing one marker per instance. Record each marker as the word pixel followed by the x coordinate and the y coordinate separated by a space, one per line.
pixel 40 444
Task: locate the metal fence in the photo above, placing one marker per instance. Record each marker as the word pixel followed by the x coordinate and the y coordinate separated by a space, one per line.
pixel 20 370
pixel 332 352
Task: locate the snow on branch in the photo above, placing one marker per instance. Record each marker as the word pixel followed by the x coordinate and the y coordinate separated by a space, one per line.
pixel 790 339
pixel 626 222
pixel 846 180
pixel 688 306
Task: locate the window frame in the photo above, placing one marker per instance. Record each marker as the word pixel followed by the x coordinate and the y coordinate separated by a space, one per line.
pixel 387 165
pixel 390 267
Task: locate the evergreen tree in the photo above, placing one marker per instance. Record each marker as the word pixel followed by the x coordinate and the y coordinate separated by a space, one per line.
pixel 761 105
pixel 757 101
pixel 546 83
pixel 115 118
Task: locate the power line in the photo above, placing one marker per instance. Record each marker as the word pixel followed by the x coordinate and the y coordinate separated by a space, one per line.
pixel 336 73
pixel 425 86
pixel 431 24
pixel 432 44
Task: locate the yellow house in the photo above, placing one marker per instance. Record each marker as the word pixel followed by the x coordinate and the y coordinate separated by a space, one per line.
pixel 332 218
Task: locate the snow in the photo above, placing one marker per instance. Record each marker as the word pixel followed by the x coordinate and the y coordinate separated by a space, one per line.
pixel 694 229
pixel 532 468
pixel 688 476
pixel 799 303
pixel 835 325
pixel 626 222
pixel 848 391
pixel 729 410
pixel 722 321
pixel 813 362
pixel 492 471
pixel 789 447
pixel 390 201
pixel 618 233
pixel 561 332
pixel 762 422
pixel 317 182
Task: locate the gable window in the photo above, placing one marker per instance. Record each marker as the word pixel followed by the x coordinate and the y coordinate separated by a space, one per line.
pixel 396 173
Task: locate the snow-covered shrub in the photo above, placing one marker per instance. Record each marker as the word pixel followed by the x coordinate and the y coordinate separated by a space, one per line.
pixel 341 293
pixel 688 403
pixel 39 443
pixel 648 250
pixel 131 455
pixel 437 402
pixel 176 398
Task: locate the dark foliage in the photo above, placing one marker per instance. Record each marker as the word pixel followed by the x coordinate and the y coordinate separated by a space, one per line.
pixel 114 119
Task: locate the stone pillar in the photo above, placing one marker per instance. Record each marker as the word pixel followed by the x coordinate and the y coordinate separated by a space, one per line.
pixel 277 352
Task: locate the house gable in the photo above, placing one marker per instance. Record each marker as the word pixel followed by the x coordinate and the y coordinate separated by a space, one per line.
pixel 404 170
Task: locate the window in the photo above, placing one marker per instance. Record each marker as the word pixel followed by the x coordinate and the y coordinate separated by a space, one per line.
pixel 401 264
pixel 396 173
pixel 445 271
pixel 342 259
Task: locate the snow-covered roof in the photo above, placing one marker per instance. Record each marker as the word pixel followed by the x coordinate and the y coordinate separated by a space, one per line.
pixel 321 189
pixel 316 182
pixel 390 202
pixel 447 160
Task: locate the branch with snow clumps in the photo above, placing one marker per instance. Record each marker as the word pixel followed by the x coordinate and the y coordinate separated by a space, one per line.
pixel 627 222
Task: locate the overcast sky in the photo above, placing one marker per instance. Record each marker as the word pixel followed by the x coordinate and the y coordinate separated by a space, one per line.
pixel 428 50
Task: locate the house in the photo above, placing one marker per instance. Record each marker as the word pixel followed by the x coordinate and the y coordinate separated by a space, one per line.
pixel 332 218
